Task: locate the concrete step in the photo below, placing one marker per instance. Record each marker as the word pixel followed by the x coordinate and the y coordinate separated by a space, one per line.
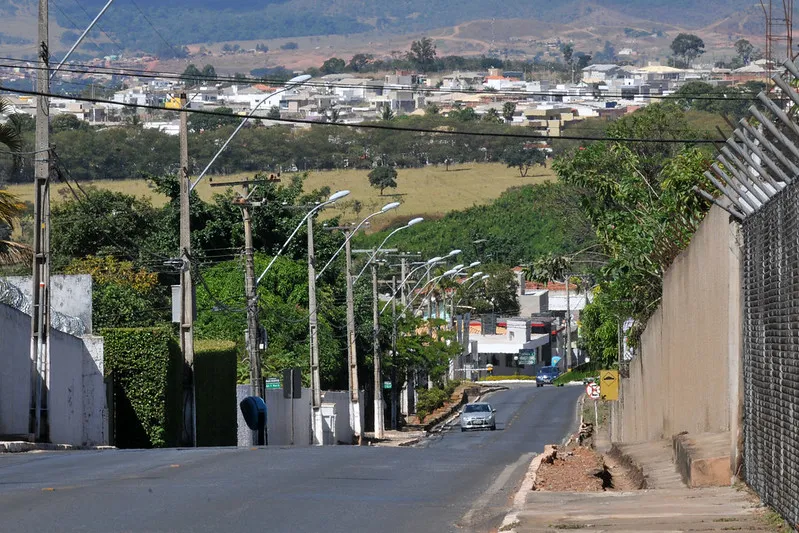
pixel 703 460
pixel 710 509
pixel 654 460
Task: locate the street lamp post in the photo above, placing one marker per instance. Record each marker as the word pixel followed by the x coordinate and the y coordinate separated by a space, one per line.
pixel 410 223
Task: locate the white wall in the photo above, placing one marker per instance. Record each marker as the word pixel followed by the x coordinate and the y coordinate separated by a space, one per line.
pixel 76 392
pixel 341 399
pixel 15 367
pixel 278 418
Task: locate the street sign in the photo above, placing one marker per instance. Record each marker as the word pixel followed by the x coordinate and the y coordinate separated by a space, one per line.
pixel 609 384
pixel 272 383
pixel 386 384
pixel 527 359
pixel 592 390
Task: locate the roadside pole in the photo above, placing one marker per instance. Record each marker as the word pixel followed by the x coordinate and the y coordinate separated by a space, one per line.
pixel 352 358
pixel 378 400
pixel 251 295
pixel 394 392
pixel 316 387
pixel 189 433
pixel 40 279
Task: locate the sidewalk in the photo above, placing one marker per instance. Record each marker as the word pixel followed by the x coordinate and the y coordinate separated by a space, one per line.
pixel 393 439
pixel 24 446
pixel 666 505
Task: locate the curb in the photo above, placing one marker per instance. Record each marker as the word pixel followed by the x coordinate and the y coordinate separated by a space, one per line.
pixel 22 447
pixel 511 519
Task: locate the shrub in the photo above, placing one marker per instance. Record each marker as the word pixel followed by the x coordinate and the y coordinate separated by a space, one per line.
pixel 146 367
pixel 428 400
pixel 215 365
pixel 505 378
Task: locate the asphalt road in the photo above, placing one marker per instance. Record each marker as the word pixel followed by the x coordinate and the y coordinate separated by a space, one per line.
pixel 450 482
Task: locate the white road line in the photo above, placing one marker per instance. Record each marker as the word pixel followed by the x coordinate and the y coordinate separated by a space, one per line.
pixel 498 484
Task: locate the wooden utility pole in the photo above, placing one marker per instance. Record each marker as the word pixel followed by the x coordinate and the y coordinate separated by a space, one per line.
pixel 379 413
pixel 352 355
pixel 40 312
pixel 189 433
pixel 313 324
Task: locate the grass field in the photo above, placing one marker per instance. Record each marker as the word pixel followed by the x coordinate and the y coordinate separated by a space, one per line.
pixel 431 191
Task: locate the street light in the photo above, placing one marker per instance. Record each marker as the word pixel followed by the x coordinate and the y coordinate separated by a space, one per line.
pixel 447 273
pixel 410 223
pixel 293 82
pixel 384 209
pixel 427 264
pixel 333 197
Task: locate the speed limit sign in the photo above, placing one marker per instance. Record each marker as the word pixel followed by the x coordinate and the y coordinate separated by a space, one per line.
pixel 592 390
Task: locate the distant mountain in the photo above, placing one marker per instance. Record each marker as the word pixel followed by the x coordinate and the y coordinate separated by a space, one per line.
pixel 136 24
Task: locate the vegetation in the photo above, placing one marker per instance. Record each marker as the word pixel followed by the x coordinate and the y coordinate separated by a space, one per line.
pixel 428 400
pixel 383 177
pixel 523 223
pixel 687 47
pixel 215 379
pixel 10 208
pixel 640 201
pixel 146 368
pixel 521 377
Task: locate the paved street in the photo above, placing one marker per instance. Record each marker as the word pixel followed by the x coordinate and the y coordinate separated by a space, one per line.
pixel 451 482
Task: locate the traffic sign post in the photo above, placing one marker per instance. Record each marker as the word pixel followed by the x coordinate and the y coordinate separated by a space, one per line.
pixel 609 384
pixel 272 383
pixel 592 390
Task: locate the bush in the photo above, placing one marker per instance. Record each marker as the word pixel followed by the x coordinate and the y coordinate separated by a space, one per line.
pixel 215 365
pixel 146 367
pixel 428 400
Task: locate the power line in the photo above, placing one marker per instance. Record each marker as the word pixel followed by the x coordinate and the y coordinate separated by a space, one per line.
pixel 174 50
pixel 537 137
pixel 119 47
pixel 77 68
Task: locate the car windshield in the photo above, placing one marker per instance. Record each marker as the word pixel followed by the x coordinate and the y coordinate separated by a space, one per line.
pixel 476 408
pixel 548 370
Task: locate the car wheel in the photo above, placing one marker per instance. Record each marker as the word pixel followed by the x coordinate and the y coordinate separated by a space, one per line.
pixel 494 427
pixel 463 429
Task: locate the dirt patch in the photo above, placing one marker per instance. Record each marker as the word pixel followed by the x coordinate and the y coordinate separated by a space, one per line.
pixel 577 470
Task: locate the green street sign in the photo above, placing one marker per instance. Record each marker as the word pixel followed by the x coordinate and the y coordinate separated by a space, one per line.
pixel 272 383
pixel 386 384
pixel 527 359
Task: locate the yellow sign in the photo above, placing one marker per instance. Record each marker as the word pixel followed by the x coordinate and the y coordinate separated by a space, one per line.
pixel 609 384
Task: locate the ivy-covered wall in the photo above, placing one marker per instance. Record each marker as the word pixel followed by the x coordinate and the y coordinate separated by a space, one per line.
pixel 146 368
pixel 215 379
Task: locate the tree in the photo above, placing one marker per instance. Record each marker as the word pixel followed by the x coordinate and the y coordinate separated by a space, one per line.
pixel 192 75
pixel 274 112
pixel 208 73
pixel 360 62
pixel 10 252
pixel 206 122
pixel 67 122
pixel 422 54
pixel 432 110
pixel 334 65
pixel 523 158
pixel 382 178
pixel 492 117
pixel 687 47
pixel 744 49
pixel 508 109
pixel 387 113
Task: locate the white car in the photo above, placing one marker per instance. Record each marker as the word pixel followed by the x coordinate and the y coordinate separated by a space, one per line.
pixel 478 415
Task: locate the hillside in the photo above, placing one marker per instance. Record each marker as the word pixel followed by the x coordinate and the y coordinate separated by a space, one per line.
pixel 151 25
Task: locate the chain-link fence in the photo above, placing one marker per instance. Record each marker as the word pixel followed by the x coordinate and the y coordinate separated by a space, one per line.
pixel 771 352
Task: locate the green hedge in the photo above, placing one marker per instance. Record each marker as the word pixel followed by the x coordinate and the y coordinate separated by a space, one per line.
pixel 215 379
pixel 506 378
pixel 146 366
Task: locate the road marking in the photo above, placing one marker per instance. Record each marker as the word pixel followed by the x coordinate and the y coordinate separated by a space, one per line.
pixel 498 484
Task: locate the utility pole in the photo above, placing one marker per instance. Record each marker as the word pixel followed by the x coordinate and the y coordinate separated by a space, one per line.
pixel 316 386
pixel 404 274
pixel 251 295
pixel 379 414
pixel 567 353
pixel 394 392
pixel 40 312
pixel 352 357
pixel 189 433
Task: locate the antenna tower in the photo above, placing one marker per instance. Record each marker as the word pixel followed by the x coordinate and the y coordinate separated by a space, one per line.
pixel 779 31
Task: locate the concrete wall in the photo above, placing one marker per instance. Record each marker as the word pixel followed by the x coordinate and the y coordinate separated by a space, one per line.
pixel 69 294
pixel 78 413
pixel 344 433
pixel 684 376
pixel 278 418
pixel 15 368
